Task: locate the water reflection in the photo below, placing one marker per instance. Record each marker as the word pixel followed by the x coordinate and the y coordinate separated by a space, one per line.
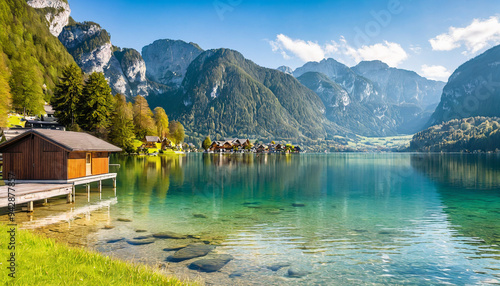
pixel 469 187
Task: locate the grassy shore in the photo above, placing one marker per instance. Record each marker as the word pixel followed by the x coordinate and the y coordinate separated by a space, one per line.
pixel 42 261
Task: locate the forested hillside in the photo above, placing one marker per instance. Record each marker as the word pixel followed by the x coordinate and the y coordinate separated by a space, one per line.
pixel 468 134
pixel 33 56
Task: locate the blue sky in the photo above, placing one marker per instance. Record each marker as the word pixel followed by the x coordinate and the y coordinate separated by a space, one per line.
pixel 430 37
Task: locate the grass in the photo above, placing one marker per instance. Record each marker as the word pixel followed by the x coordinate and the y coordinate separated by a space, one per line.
pixel 42 261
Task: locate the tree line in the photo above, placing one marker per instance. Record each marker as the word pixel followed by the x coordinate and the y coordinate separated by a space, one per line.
pixel 87 104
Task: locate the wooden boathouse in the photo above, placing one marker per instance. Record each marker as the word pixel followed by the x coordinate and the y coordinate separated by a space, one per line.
pixel 43 156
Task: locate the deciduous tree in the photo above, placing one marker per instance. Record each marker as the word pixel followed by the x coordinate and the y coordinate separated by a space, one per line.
pixel 5 96
pixel 161 120
pixel 143 118
pixel 206 143
pixel 122 128
pixel 176 134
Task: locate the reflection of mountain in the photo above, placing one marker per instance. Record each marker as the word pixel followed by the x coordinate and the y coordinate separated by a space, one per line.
pixel 469 186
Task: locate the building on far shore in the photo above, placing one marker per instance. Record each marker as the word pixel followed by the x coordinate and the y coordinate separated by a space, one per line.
pixel 44 154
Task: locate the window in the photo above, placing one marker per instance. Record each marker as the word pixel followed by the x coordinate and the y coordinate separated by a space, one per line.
pixel 88 158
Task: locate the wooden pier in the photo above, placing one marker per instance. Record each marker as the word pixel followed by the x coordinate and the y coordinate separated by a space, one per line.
pixel 28 193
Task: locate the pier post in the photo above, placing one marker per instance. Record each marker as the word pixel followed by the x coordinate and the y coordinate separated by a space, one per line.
pixel 69 199
pixel 114 183
pixel 30 207
pixel 74 192
pixel 88 191
pixel 100 186
pixel 45 201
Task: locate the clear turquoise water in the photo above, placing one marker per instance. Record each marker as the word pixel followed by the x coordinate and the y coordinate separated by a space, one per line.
pixel 368 219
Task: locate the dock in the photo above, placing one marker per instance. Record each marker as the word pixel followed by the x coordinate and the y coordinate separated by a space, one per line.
pixel 28 193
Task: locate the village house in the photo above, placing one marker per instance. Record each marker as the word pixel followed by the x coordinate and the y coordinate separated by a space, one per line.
pixel 54 155
pixel 229 145
pixel 150 141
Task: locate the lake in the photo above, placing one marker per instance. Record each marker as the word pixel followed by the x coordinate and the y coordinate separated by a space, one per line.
pixel 342 219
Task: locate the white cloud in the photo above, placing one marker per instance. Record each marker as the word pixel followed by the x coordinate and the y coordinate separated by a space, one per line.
pixel 416 49
pixel 478 35
pixel 306 51
pixel 435 72
pixel 391 53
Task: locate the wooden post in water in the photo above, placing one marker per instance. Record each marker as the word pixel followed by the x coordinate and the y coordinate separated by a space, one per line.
pixel 45 201
pixel 74 192
pixel 88 191
pixel 100 186
pixel 69 199
pixel 30 206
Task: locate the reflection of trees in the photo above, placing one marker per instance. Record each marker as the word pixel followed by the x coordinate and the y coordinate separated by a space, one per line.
pixel 469 186
pixel 148 179
pixel 461 170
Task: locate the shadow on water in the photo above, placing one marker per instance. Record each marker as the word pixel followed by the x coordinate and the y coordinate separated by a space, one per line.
pixel 469 187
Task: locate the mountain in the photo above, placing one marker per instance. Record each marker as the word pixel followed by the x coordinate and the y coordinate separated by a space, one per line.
pixel 167 60
pixel 91 47
pixel 401 86
pixel 285 69
pixel 341 108
pixel 225 95
pixel 56 12
pixel 472 90
pixel 384 101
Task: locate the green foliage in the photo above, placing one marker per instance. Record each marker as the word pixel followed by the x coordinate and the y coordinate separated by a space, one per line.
pixel 34 56
pixel 122 128
pixel 161 121
pixel 97 104
pixel 67 96
pixel 468 134
pixel 206 143
pixel 26 86
pixel 176 134
pixel 143 118
pixel 5 95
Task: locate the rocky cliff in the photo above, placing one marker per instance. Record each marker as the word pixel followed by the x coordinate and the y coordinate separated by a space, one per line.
pixel 167 60
pixel 91 47
pixel 56 12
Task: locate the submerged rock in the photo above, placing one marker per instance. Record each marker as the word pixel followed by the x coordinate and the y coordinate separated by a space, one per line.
pixel 298 205
pixel 278 266
pixel 108 227
pixel 191 251
pixel 175 247
pixel 169 234
pixel 297 272
pixel 140 241
pixel 211 264
pixel 114 240
pixel 143 237
pixel 140 230
pixel 124 219
pixel 200 216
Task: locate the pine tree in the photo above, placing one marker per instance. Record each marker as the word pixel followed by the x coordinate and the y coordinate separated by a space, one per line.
pixel 122 128
pixel 67 96
pixel 161 120
pixel 143 118
pixel 5 96
pixel 96 104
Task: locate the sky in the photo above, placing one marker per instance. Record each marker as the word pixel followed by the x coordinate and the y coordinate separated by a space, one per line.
pixel 430 37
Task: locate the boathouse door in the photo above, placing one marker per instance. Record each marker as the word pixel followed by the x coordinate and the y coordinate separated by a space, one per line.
pixel 88 163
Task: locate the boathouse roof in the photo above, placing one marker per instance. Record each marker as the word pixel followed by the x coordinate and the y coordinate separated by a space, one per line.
pixel 68 140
